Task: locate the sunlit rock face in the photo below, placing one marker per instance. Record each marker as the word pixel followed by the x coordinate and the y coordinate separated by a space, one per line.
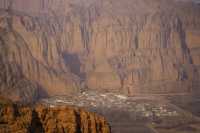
pixel 129 46
pixel 42 119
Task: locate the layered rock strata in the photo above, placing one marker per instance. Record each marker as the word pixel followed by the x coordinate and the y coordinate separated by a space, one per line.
pixel 134 47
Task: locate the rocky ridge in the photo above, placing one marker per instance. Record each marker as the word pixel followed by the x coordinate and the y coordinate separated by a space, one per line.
pixel 42 119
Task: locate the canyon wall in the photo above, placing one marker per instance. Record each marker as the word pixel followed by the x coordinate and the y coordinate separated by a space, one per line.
pixel 126 46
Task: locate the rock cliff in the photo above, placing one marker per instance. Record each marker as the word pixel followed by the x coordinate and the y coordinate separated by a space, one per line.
pixel 129 46
pixel 41 119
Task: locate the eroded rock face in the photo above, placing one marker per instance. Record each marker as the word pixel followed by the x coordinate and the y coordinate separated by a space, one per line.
pixel 15 86
pixel 36 54
pixel 129 46
pixel 41 119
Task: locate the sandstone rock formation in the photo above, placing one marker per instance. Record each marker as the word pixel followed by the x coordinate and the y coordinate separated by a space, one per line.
pixel 129 46
pixel 41 119
pixel 14 85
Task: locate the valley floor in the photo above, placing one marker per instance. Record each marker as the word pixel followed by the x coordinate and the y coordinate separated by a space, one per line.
pixel 139 114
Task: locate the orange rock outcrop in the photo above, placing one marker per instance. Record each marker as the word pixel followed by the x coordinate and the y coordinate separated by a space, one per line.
pixel 41 119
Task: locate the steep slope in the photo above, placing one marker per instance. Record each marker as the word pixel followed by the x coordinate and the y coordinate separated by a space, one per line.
pixel 33 52
pixel 13 84
pixel 41 119
pixel 129 46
